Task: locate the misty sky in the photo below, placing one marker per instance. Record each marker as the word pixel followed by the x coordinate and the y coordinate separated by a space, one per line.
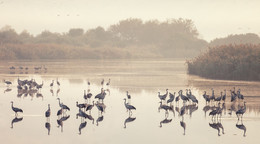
pixel 213 18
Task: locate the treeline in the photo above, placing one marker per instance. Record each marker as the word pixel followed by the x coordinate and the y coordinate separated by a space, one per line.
pixel 233 62
pixel 237 39
pixel 130 38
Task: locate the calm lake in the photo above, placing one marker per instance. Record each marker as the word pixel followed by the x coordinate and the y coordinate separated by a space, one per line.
pixel 143 79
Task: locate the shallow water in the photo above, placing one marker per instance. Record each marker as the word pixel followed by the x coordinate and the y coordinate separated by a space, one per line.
pixel 143 79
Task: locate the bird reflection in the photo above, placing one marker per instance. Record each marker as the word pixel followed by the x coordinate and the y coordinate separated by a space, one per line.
pixel 165 121
pixel 183 124
pixel 81 113
pixel 15 120
pixel 241 126
pixel 192 108
pixel 172 110
pixel 57 92
pixel 89 107
pixel 7 90
pixel 219 124
pixel 90 118
pixel 206 108
pixel 48 127
pixel 128 120
pixel 99 119
pixel 61 120
pixel 215 126
pixel 232 108
pixel 19 95
pixel 81 126
pixel 101 107
pixel 182 112
pixel 51 90
pixel 39 95
pixel 59 112
pixel 177 109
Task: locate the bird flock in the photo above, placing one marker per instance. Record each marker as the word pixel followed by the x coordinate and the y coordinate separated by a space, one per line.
pixel 216 105
pixel 26 69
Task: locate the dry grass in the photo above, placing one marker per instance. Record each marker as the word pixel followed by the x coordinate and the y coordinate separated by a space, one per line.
pixel 233 62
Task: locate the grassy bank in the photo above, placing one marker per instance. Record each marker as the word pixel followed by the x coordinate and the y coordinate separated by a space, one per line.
pixel 229 62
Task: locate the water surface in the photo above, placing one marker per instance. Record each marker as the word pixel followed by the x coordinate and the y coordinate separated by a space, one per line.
pixel 143 79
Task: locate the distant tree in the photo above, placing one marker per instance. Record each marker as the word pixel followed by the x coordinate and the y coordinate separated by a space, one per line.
pixel 97 37
pixel 75 32
pixel 49 37
pixel 8 35
pixel 127 30
pixel 25 36
pixel 248 38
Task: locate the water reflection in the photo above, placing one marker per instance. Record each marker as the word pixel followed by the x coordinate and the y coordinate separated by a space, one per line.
pixel 165 121
pixel 39 95
pixel 128 120
pixel 48 127
pixel 90 118
pixel 215 126
pixel 81 126
pixel 57 92
pixel 192 108
pixel 89 107
pixel 143 83
pixel 183 125
pixel 241 126
pixel 99 119
pixel 61 121
pixel 7 90
pixel 15 120
pixel 101 107
pixel 52 93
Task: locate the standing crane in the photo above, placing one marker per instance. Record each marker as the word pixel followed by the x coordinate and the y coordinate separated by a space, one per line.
pixel 241 111
pixel 15 109
pixel 129 107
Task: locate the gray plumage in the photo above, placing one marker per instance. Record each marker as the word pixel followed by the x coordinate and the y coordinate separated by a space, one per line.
pixel 89 107
pixel 172 96
pixel 241 111
pixel 129 119
pixel 163 97
pixel 128 106
pixel 165 121
pixel 15 109
pixel 48 112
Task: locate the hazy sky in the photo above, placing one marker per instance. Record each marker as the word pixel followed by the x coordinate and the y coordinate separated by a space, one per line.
pixel 213 18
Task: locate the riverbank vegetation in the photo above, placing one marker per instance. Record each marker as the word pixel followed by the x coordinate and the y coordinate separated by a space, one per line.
pixel 232 62
pixel 130 38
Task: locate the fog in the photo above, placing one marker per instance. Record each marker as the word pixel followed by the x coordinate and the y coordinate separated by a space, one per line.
pixel 212 18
